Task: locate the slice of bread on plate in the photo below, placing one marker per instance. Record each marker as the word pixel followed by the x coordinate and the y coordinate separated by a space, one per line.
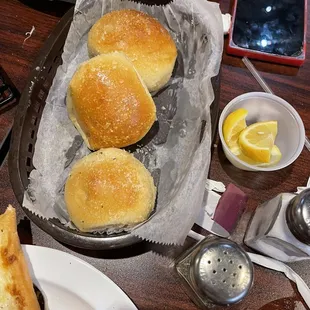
pixel 16 288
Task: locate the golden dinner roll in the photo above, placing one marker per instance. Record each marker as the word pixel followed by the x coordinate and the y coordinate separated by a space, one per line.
pixel 142 38
pixel 108 102
pixel 109 188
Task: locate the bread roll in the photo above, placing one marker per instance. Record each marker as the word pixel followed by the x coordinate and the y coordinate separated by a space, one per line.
pixel 142 38
pixel 108 102
pixel 109 188
pixel 16 288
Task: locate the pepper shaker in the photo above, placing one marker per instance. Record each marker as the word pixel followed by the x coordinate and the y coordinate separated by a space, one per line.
pixel 280 228
pixel 215 271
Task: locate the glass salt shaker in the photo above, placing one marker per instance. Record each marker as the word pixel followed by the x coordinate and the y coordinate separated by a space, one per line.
pixel 280 227
pixel 215 271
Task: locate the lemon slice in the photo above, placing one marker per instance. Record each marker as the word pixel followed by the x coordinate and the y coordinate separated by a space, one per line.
pixel 256 141
pixel 274 158
pixel 233 125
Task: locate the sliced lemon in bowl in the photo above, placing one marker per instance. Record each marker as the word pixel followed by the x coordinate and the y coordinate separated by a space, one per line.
pixel 233 126
pixel 257 140
pixel 275 157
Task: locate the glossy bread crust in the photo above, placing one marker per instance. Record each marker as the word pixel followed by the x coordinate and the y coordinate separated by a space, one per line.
pixel 142 38
pixel 108 102
pixel 109 189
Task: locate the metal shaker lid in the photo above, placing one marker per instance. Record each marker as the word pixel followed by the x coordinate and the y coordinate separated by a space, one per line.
pixel 298 216
pixel 222 271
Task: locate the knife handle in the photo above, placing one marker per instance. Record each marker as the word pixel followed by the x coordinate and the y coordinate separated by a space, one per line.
pixel 9 98
pixel 8 92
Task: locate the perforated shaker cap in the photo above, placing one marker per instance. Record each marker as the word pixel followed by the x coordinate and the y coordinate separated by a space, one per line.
pixel 298 216
pixel 222 271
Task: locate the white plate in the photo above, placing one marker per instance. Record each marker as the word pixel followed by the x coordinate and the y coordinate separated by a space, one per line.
pixel 67 282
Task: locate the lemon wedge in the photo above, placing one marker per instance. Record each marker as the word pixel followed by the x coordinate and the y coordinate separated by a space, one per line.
pixel 274 158
pixel 257 140
pixel 233 125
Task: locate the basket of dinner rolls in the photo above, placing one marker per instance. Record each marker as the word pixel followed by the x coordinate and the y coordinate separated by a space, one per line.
pixel 123 146
pixel 110 104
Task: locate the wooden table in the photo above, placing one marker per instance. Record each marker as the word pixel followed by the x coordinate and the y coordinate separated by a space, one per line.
pixel 149 278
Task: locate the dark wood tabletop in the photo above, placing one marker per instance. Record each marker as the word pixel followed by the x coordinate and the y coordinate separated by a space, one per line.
pixel 144 271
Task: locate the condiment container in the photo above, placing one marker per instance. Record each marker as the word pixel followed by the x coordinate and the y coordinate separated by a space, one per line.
pixel 264 107
pixel 215 271
pixel 280 227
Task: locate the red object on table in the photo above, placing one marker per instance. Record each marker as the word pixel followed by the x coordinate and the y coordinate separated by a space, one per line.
pixel 230 207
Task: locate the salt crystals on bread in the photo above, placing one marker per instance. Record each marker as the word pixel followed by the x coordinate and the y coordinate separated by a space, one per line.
pixel 108 102
pixel 141 38
pixel 109 189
